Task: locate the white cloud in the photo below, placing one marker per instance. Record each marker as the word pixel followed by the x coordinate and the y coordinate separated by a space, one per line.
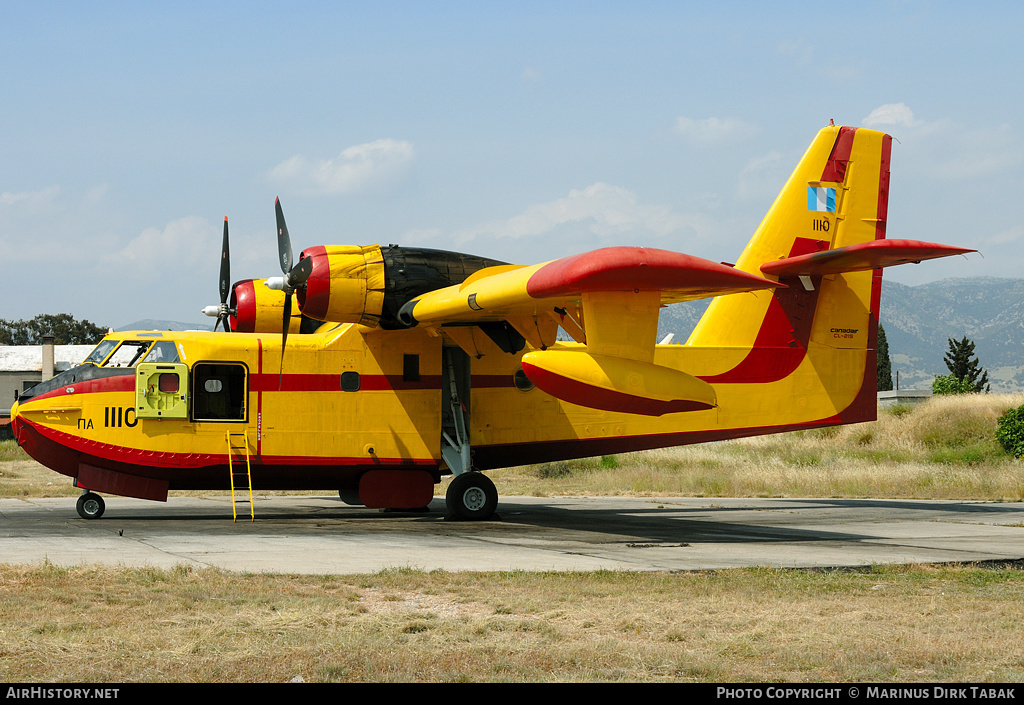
pixel 891 114
pixel 980 153
pixel 763 177
pixel 174 252
pixel 357 167
pixel 97 193
pixel 31 199
pixel 712 131
pixel 600 210
pixel 1005 237
pixel 802 52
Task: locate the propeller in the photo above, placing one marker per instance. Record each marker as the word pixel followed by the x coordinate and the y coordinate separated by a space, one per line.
pixel 222 312
pixel 294 277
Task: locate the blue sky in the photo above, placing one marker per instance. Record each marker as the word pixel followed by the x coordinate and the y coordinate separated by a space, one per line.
pixel 519 131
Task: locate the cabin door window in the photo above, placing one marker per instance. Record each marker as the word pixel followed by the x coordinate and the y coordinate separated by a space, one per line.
pixel 219 391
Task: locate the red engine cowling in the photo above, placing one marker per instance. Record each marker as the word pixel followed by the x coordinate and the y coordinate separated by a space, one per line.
pixel 259 309
pixel 346 284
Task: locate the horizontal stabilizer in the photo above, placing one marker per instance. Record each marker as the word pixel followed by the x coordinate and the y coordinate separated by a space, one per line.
pixel 616 384
pixel 865 255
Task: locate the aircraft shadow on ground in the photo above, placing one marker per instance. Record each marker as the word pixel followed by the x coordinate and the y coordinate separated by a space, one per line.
pixel 666 524
pixel 659 523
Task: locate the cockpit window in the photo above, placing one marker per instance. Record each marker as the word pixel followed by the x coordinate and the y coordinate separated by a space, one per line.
pixel 164 351
pixel 100 352
pixel 128 353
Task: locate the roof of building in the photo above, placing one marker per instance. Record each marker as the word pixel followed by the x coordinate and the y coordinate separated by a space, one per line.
pixel 29 358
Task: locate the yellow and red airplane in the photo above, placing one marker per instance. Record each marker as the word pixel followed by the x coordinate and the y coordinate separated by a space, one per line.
pixel 424 363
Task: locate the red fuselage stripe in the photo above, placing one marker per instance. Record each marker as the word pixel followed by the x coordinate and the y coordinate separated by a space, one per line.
pixel 163 459
pixel 268 382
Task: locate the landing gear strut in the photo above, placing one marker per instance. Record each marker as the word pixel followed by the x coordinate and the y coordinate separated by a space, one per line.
pixel 90 506
pixel 471 496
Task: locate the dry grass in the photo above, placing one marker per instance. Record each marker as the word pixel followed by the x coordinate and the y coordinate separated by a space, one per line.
pixel 951 623
pixel 944 449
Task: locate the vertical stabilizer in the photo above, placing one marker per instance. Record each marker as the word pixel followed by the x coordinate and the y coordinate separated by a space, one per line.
pixel 837 197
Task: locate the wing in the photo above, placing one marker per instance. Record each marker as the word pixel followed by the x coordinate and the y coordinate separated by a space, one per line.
pixel 607 299
pixel 497 293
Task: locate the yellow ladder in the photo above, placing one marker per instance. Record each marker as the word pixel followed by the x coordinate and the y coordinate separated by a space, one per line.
pixel 235 452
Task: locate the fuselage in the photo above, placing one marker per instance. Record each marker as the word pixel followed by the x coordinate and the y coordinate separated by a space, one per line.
pixel 352 399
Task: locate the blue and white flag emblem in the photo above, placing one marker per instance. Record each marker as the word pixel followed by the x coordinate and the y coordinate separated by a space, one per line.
pixel 821 199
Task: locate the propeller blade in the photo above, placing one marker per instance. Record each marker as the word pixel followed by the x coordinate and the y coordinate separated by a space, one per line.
pixel 284 243
pixel 286 323
pixel 225 280
pixel 294 278
pixel 225 267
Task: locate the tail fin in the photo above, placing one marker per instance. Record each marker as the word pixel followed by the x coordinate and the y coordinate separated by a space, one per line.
pixel 836 198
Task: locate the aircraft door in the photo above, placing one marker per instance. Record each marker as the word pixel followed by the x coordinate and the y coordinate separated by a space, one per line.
pixel 219 391
pixel 455 397
pixel 160 391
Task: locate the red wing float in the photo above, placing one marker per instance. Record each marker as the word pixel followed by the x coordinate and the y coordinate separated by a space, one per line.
pixel 415 364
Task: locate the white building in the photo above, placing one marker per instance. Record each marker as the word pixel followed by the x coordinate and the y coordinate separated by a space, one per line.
pixel 22 366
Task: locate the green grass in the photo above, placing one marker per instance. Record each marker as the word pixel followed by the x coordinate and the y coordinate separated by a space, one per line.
pixel 10 451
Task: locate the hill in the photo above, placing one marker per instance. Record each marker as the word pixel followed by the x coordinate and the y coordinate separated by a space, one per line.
pixel 918 322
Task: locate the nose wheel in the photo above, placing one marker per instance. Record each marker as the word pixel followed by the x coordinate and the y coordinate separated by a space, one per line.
pixel 90 506
pixel 471 496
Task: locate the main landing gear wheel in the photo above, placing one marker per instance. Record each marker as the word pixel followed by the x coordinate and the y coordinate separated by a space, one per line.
pixel 90 506
pixel 471 497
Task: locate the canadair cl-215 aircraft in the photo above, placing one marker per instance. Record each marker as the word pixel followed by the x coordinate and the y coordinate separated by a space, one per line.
pixel 424 363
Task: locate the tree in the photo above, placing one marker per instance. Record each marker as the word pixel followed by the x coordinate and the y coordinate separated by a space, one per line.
pixel 884 364
pixel 963 367
pixel 65 329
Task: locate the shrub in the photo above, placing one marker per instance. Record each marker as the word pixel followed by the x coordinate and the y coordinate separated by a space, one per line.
pixel 951 384
pixel 1010 432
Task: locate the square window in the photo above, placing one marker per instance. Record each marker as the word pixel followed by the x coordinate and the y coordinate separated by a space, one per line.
pixel 350 381
pixel 168 383
pixel 411 368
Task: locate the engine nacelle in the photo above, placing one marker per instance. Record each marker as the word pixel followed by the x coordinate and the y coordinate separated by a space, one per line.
pixel 259 309
pixel 368 285
pixel 346 284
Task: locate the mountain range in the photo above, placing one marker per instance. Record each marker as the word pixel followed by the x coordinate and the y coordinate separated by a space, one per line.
pixel 152 324
pixel 920 320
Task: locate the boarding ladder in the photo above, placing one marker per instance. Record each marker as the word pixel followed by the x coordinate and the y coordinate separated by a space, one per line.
pixel 241 473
